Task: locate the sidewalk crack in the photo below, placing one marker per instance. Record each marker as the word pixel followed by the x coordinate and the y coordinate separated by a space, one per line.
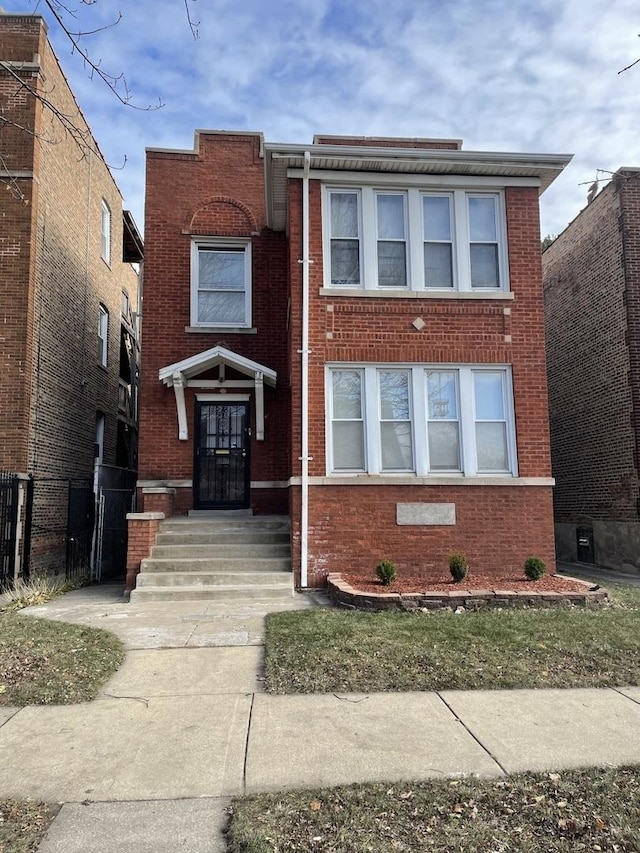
pixel 618 690
pixel 246 744
pixel 475 737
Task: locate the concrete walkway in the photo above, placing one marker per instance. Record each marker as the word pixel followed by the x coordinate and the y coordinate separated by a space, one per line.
pixel 185 724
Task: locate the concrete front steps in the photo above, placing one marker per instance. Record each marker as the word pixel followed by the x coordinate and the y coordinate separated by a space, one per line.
pixel 218 556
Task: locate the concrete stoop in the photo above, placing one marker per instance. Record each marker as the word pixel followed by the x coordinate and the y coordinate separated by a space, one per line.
pixel 218 556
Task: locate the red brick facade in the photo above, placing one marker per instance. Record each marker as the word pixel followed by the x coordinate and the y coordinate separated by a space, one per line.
pixel 592 304
pixel 219 191
pixel 53 281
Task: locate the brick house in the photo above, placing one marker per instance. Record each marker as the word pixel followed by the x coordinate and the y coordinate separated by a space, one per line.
pixel 68 346
pixel 350 333
pixel 592 309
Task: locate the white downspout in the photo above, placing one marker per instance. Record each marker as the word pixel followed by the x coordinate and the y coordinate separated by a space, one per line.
pixel 304 458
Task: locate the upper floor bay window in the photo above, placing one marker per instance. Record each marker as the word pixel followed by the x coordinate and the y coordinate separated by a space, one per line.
pixel 416 240
pixel 221 283
pixel 420 419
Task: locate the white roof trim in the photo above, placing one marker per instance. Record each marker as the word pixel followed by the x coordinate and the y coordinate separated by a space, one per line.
pixel 200 363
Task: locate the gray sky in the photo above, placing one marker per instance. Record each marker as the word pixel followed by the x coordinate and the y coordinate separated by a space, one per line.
pixel 504 76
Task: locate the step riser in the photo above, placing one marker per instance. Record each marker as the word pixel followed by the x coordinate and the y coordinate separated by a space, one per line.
pixel 243 552
pixel 258 523
pixel 211 564
pixel 211 594
pixel 178 579
pixel 173 538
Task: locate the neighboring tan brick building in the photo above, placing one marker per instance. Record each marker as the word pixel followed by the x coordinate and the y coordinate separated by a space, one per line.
pixel 68 347
pixel 592 309
pixel 350 332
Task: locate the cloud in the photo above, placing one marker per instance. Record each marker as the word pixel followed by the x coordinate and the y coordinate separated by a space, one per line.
pixel 508 75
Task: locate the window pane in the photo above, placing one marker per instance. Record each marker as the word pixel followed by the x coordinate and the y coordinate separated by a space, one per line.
pixel 444 446
pixel 438 269
pixel 437 217
pixel 220 307
pixel 441 393
pixel 345 262
pixel 348 446
pixel 221 269
pixel 347 394
pixel 482 219
pixel 394 395
pixel 491 443
pixel 344 215
pixel 391 217
pixel 397 453
pixel 484 265
pixel 489 397
pixel 392 267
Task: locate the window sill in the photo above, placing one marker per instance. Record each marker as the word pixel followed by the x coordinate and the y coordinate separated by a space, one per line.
pixel 414 294
pixel 413 480
pixel 227 330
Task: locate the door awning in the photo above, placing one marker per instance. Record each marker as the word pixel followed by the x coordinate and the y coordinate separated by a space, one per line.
pixel 185 373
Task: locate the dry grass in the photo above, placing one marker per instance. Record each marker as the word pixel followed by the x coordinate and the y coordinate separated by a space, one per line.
pixel 578 810
pixel 22 825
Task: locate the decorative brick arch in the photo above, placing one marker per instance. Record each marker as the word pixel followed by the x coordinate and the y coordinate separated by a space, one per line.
pixel 223 216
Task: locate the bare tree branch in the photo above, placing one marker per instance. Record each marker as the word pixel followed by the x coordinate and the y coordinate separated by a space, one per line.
pixel 117 83
pixel 193 25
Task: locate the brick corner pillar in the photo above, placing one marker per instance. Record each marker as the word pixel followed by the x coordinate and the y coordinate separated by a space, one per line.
pixel 158 499
pixel 142 528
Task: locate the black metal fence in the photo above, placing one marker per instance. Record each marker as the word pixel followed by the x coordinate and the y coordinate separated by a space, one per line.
pixel 55 525
pixel 16 501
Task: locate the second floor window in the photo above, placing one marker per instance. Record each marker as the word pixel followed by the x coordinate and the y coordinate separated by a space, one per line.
pixel 221 284
pixel 415 240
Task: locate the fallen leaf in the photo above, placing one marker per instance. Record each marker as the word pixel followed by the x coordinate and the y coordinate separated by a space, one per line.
pixel 315 806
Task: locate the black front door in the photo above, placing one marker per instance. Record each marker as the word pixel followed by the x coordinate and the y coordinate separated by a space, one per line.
pixel 221 471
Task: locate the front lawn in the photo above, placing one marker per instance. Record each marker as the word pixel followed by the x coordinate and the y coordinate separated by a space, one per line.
pixel 46 663
pixel 322 651
pixel 590 810
pixel 22 825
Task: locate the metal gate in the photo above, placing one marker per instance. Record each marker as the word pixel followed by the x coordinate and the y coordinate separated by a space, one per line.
pixel 16 500
pixel 115 497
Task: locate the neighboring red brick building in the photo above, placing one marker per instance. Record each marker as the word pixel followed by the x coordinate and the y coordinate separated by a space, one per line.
pixel 350 332
pixel 68 346
pixel 592 307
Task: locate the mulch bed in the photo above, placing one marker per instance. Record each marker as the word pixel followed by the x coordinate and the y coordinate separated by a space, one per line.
pixel 473 582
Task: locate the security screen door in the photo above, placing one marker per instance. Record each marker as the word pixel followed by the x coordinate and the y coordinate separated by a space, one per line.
pixel 221 470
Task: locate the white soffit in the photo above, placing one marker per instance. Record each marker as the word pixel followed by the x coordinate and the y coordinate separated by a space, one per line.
pixel 203 361
pixel 280 158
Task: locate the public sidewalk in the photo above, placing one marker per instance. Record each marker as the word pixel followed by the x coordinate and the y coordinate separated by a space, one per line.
pixel 185 724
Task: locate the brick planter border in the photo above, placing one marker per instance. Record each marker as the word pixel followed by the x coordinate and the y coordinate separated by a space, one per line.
pixel 342 594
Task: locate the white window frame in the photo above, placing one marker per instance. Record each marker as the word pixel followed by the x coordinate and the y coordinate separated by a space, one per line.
pixel 220 244
pixel 419 419
pixel 103 335
pixel 105 232
pixel 414 236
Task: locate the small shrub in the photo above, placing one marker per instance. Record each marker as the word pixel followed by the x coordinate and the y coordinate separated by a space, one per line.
pixel 458 566
pixel 386 572
pixel 534 568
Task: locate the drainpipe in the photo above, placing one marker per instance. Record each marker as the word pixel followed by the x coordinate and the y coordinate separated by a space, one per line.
pixel 304 458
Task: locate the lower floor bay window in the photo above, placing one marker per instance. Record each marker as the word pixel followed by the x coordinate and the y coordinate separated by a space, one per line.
pixel 420 419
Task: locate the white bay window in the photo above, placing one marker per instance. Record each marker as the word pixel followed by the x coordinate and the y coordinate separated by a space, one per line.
pixel 420 419
pixel 415 240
